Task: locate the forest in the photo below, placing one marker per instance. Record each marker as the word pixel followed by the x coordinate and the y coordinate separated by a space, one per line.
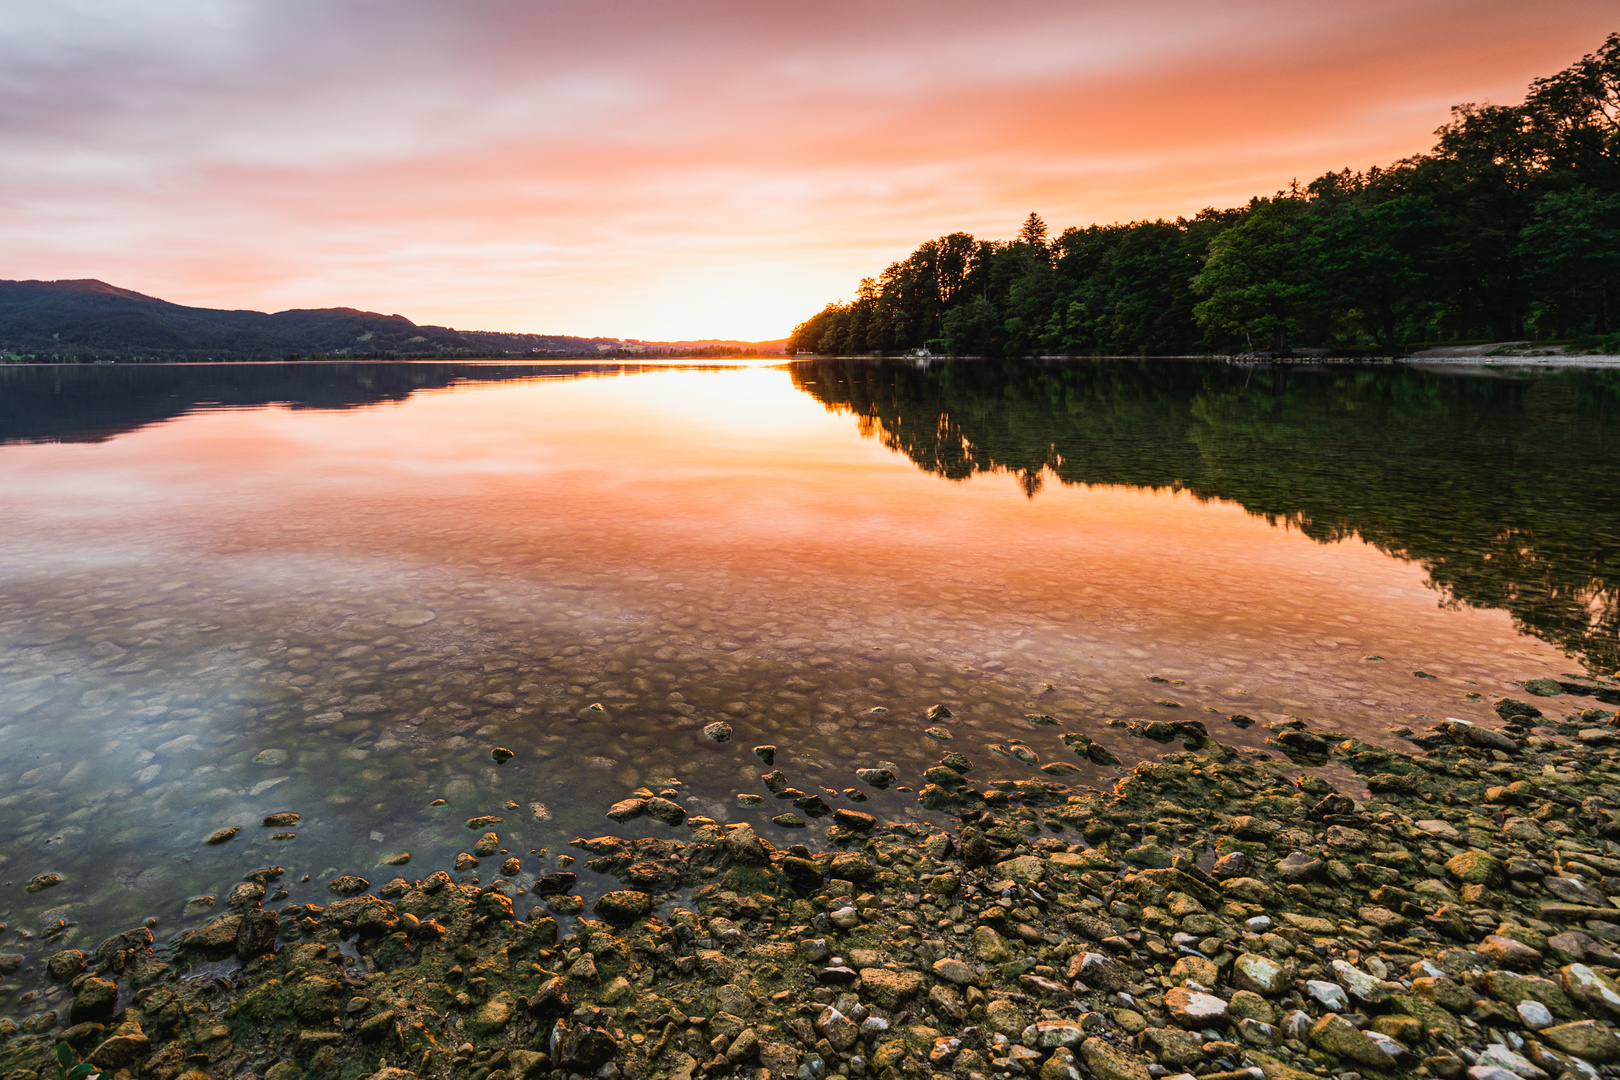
pixel 1507 230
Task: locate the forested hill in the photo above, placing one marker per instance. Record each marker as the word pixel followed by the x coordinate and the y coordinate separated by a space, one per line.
pixel 1509 229
pixel 91 320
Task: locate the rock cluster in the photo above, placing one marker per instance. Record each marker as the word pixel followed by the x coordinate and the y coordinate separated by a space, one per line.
pixel 1216 913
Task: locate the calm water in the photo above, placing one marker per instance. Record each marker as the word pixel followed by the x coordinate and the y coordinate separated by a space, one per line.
pixel 231 591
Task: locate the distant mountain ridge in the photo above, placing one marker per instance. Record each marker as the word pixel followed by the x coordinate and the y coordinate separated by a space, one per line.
pixel 87 319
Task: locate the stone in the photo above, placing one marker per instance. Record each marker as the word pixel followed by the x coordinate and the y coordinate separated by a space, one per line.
pixel 623 905
pixel 1174 1047
pixel 719 731
pixel 348 885
pixel 1330 995
pixel 1062 1065
pixel 1248 1005
pixel 1026 869
pixel 1498 1056
pixel 627 809
pixel 1591 1040
pixel 666 811
pixel 1535 1015
pixel 988 945
pixel 890 989
pixel 224 835
pixel 955 971
pixel 1509 953
pixel 282 820
pixel 1597 992
pixel 1195 1009
pixel 1051 1034
pixel 1334 1034
pixel 1108 1063
pixel 491 1016
pixel 501 755
pixel 1359 983
pixel 1261 974
pixel 1476 868
pixel 837 1029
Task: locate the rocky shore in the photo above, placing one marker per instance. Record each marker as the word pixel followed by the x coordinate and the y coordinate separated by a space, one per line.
pixel 1452 911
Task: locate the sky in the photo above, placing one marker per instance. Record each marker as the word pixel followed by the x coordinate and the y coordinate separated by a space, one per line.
pixel 683 168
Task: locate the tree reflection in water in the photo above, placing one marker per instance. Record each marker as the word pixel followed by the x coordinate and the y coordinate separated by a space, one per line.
pixel 1504 485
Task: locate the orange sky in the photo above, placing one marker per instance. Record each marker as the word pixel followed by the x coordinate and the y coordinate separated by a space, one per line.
pixel 682 169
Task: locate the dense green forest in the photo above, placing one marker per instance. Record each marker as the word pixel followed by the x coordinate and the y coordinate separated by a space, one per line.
pixel 1501 487
pixel 1509 229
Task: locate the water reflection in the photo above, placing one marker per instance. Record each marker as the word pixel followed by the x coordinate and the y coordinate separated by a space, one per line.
pixel 1505 487
pixel 93 402
pixel 339 612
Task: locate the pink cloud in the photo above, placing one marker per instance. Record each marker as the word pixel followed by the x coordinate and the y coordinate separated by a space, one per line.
pixel 680 170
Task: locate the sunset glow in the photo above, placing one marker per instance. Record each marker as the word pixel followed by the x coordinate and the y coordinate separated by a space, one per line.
pixel 671 171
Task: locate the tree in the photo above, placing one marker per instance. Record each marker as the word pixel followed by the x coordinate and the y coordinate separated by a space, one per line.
pixel 1572 251
pixel 1256 281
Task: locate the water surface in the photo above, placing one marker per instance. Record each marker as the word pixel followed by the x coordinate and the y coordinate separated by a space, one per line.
pixel 227 591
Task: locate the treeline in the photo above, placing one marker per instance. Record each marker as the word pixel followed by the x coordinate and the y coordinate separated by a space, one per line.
pixel 1508 229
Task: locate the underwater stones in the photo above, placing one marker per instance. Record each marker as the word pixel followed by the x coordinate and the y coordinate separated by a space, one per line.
pixel 408 618
pixel 284 819
pixel 719 731
pixel 554 883
pixel 501 755
pixel 484 821
pixel 348 885
pixel 565 905
pixel 789 821
pixel 399 859
pixel 272 757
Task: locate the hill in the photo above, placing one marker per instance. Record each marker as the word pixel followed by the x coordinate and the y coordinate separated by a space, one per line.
pixel 87 320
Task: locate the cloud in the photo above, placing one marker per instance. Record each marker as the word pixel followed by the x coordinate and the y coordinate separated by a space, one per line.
pixel 679 169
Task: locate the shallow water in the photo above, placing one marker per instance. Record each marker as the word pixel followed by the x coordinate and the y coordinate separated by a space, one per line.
pixel 233 591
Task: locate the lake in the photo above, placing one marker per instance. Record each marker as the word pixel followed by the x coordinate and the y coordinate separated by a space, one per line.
pixel 230 591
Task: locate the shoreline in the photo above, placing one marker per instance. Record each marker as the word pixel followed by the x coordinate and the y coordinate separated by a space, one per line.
pixel 1209 915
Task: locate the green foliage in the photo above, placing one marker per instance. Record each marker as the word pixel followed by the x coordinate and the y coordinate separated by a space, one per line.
pixel 69 1067
pixel 1508 228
